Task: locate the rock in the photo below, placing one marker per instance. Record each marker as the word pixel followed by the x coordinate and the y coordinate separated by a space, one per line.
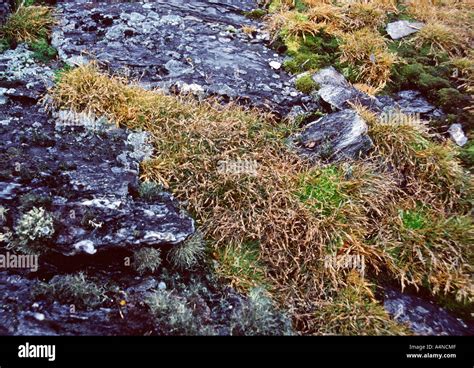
pixel 275 65
pixel 337 92
pixel 337 136
pixel 330 76
pixel 422 316
pixel 4 11
pixel 403 28
pixel 412 102
pixel 457 134
pixel 409 102
pixel 170 42
pixel 83 171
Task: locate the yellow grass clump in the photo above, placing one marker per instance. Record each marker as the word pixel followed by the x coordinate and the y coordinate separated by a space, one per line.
pixel 28 24
pixel 368 51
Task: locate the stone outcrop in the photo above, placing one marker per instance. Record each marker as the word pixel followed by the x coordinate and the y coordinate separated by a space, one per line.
pixel 171 43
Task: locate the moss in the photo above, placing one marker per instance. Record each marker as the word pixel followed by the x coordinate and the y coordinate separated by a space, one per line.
pixel 71 289
pixel 411 72
pixel 467 155
pixel 428 83
pixel 4 44
pixel 42 50
pixel 240 265
pixel 306 84
pixel 256 13
pixel 412 220
pixel 312 53
pixel 320 190
pixel 450 98
pixel 60 72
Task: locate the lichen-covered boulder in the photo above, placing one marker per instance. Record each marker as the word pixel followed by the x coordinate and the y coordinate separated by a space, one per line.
pixel 333 137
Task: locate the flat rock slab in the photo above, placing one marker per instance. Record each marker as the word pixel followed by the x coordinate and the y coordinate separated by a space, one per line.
pixel 403 28
pixel 84 174
pixel 333 137
pixel 174 43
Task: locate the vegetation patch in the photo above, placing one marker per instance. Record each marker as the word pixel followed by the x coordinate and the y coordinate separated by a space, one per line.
pixel 259 317
pixel 355 311
pixel 351 37
pixel 75 290
pixel 188 254
pixel 275 225
pixel 306 84
pixel 174 316
pixel 146 260
pixel 32 24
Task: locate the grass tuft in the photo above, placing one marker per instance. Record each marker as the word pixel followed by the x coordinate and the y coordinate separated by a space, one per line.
pixel 28 24
pixel 74 289
pixel 146 260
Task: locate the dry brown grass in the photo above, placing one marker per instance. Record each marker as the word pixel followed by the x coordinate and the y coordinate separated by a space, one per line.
pixel 465 72
pixel 360 15
pixel 429 171
pixel 368 51
pixel 440 38
pixel 28 24
pixel 355 311
pixel 291 25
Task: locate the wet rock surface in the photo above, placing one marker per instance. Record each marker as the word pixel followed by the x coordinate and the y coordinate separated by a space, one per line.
pixel 424 317
pixel 176 44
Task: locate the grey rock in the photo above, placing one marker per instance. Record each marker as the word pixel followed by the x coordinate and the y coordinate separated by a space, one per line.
pixel 457 134
pixel 334 137
pixel 409 102
pixel 337 92
pixel 330 76
pixel 423 316
pixel 171 42
pixel 403 28
pixel 4 11
pixel 412 102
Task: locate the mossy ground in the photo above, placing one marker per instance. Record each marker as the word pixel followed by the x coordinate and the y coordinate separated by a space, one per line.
pixel 437 60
